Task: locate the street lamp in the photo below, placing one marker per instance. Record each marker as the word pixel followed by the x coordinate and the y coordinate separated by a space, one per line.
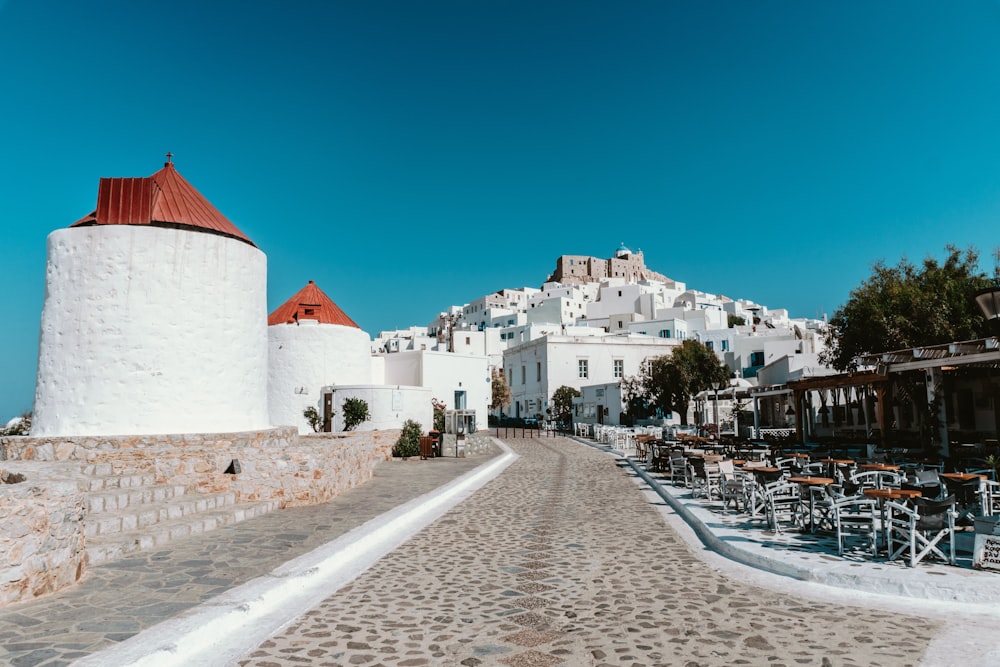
pixel 717 385
pixel 988 301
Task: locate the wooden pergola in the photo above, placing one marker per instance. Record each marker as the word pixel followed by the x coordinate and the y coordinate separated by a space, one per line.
pixel 860 382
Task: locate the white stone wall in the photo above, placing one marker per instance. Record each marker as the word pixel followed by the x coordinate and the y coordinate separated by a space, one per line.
pixel 303 358
pixel 444 373
pixel 389 406
pixel 149 330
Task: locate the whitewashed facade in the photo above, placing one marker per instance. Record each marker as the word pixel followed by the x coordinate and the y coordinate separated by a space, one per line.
pixel 537 368
pixel 151 330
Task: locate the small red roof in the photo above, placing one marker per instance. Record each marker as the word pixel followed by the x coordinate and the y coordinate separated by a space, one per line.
pixel 163 199
pixel 310 303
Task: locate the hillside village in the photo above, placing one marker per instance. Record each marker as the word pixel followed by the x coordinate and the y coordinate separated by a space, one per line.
pixel 594 321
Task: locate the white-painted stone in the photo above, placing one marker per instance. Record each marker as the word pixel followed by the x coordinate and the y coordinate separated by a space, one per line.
pixel 303 358
pixel 150 330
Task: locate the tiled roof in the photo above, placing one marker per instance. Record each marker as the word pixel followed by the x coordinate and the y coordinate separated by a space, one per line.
pixel 310 303
pixel 163 199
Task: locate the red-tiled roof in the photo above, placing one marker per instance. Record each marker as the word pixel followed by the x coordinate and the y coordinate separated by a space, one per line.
pixel 164 199
pixel 310 303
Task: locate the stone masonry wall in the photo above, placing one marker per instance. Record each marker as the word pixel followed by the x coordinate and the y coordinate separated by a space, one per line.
pixel 275 464
pixel 42 483
pixel 41 529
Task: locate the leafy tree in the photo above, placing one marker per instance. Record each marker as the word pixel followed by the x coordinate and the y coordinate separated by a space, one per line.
pixel 634 397
pixel 906 305
pixel 668 382
pixel 736 321
pixel 355 412
pixel 313 417
pixel 408 443
pixel 500 390
pixel 562 402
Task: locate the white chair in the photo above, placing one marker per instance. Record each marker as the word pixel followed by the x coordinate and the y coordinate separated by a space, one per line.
pixel 732 485
pixel 783 501
pixel 855 516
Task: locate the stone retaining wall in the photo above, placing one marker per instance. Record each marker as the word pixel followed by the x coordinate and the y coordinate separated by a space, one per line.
pixel 42 544
pixel 41 529
pixel 274 464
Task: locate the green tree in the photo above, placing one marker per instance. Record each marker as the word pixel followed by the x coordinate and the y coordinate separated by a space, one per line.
pixel 562 402
pixel 355 412
pixel 736 321
pixel 500 390
pixel 313 417
pixel 907 305
pixel 668 382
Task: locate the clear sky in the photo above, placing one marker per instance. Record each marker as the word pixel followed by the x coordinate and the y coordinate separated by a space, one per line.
pixel 411 155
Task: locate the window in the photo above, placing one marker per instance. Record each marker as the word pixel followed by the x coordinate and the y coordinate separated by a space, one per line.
pixel 664 333
pixel 619 368
pixel 756 358
pixel 510 381
pixel 468 341
pixel 725 346
pixel 710 344
pixel 538 370
pixel 523 375
pixel 582 369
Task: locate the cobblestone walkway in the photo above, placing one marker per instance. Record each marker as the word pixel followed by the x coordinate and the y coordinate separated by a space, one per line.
pixel 561 560
pixel 117 600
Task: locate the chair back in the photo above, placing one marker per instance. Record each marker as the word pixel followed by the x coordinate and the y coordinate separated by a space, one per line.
pixel 933 514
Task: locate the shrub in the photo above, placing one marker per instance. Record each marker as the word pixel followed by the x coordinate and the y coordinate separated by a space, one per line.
pixel 18 425
pixel 355 412
pixel 409 440
pixel 313 417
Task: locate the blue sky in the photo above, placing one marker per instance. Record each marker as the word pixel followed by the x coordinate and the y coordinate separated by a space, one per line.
pixel 411 155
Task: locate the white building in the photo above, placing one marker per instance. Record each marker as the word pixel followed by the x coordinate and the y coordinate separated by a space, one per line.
pixel 537 368
pixel 461 381
pixel 312 344
pixel 154 318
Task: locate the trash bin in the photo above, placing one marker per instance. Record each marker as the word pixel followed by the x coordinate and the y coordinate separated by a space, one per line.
pixel 426 447
pixel 437 441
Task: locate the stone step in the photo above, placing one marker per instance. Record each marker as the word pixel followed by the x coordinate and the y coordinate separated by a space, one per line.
pixel 115 546
pixel 102 481
pixel 132 496
pixel 145 516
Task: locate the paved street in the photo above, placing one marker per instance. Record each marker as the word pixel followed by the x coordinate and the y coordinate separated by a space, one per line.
pixel 562 560
pixel 563 557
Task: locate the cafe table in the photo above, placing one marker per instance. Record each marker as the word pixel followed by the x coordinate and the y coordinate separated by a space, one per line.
pixel 968 490
pixel 880 467
pixel 809 483
pixel 832 464
pixel 884 495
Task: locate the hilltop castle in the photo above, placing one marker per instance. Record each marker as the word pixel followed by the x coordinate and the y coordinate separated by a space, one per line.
pixel 577 269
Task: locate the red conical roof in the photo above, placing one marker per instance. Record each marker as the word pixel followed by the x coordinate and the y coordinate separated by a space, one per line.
pixel 310 303
pixel 163 199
